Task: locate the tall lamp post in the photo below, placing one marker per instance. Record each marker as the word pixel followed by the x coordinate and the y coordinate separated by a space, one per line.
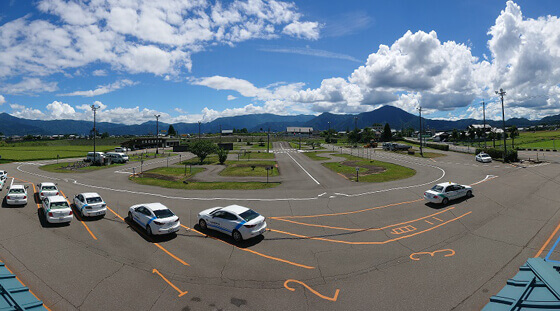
pixel 501 92
pixel 94 108
pixel 484 122
pixel 157 132
pixel 420 130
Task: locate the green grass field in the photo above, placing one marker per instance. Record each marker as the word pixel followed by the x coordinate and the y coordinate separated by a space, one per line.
pixel 33 153
pixel 211 159
pixel 256 155
pixel 61 168
pixel 316 155
pixel 392 171
pixel 176 171
pixel 149 156
pixel 244 169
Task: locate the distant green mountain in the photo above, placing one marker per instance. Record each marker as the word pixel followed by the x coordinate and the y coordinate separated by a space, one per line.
pixel 396 117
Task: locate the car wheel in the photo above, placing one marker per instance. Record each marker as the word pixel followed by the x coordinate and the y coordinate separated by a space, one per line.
pixel 202 224
pixel 149 230
pixel 445 201
pixel 469 194
pixel 237 237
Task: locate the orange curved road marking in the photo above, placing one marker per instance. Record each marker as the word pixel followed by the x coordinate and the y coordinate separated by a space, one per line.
pixel 252 251
pixel 334 298
pixel 347 213
pixel 367 229
pixel 452 253
pixel 370 242
pixel 79 218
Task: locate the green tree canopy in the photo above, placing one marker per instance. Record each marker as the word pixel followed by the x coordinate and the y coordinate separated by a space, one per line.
pixel 202 148
pixel 171 131
pixel 387 135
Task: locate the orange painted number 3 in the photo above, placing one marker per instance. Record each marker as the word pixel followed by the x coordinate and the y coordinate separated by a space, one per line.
pixel 334 298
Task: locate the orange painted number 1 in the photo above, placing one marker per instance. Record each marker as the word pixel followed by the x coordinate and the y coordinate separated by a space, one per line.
pixel 334 298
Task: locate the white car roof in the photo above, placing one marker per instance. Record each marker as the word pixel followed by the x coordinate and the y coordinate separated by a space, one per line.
pixel 155 206
pixel 47 184
pixel 17 187
pixel 445 184
pixel 57 198
pixel 90 195
pixel 235 209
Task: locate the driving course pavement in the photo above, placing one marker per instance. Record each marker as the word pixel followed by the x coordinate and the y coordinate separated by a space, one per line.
pixel 333 244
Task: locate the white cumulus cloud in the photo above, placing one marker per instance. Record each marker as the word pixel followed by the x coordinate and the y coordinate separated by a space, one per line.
pixel 102 89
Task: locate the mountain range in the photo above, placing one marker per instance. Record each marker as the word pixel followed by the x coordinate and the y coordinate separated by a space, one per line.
pixel 396 117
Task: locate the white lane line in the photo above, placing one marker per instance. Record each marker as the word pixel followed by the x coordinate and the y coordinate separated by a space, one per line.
pixel 315 180
pixel 488 177
pixel 12 183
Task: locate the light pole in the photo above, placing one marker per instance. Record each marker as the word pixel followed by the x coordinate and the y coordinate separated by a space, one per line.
pixel 501 92
pixel 94 108
pixel 484 122
pixel 157 132
pixel 198 130
pixel 356 123
pixel 268 142
pixel 420 130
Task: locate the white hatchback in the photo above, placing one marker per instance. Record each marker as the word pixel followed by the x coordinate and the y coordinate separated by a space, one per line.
pixel 90 204
pixel 56 209
pixel 47 189
pixel 17 195
pixel 240 222
pixel 156 218
pixel 445 192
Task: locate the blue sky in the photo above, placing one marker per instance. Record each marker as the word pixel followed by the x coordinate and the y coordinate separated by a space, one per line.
pixel 199 60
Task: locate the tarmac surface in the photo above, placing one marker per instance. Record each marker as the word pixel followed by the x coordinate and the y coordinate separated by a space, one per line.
pixel 333 244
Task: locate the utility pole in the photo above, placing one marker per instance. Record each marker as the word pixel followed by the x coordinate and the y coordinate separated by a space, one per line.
pixel 94 108
pixel 502 93
pixel 420 130
pixel 268 143
pixel 157 132
pixel 355 123
pixel 198 130
pixel 484 122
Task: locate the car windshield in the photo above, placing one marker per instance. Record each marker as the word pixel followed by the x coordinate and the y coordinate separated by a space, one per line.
pixel 59 205
pixel 249 215
pixel 163 213
pixel 437 188
pixel 49 188
pixel 484 155
pixel 17 191
pixel 94 200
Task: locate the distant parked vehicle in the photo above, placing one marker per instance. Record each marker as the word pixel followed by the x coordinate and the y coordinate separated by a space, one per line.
pixel 117 157
pixel 98 158
pixel 483 157
pixel 56 209
pixel 395 147
pixel 121 149
pixel 90 204
pixel 17 195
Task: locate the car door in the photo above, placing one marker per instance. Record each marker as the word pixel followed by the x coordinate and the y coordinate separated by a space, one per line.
pixel 139 215
pixel 460 192
pixel 79 202
pixel 230 222
pixel 45 205
pixel 449 192
pixel 216 221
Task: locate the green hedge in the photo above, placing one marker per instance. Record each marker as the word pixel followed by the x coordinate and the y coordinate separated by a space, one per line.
pixel 511 155
pixel 438 146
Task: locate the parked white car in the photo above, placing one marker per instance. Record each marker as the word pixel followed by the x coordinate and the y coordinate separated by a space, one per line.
pixel 17 195
pixel 97 157
pixel 445 192
pixel 117 157
pixel 2 182
pixel 90 204
pixel 483 157
pixel 3 174
pixel 156 218
pixel 121 149
pixel 240 222
pixel 47 189
pixel 56 209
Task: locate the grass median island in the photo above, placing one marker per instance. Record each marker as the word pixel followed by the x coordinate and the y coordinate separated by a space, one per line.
pixel 316 155
pixel 256 155
pixel 369 171
pixel 75 167
pixel 426 154
pixel 149 156
pixel 174 177
pixel 249 169
pixel 209 160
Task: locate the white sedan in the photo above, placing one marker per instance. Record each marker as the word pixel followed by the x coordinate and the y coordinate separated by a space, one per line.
pixel 47 189
pixel 445 192
pixel 483 157
pixel 2 182
pixel 240 222
pixel 56 209
pixel 90 204
pixel 17 195
pixel 156 218
pixel 3 174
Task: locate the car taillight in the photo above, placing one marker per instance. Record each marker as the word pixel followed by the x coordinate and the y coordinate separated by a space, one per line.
pixel 24 197
pixel 57 193
pixel 70 213
pixel 8 197
pixel 435 196
pixel 249 226
pixel 50 214
pixel 42 194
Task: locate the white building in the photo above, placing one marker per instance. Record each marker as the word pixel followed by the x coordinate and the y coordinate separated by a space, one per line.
pixel 299 130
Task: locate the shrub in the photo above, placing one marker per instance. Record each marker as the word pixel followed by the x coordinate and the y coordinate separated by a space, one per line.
pixel 438 146
pixel 222 155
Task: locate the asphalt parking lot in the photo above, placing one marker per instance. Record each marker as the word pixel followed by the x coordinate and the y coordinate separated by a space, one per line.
pixel 333 244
